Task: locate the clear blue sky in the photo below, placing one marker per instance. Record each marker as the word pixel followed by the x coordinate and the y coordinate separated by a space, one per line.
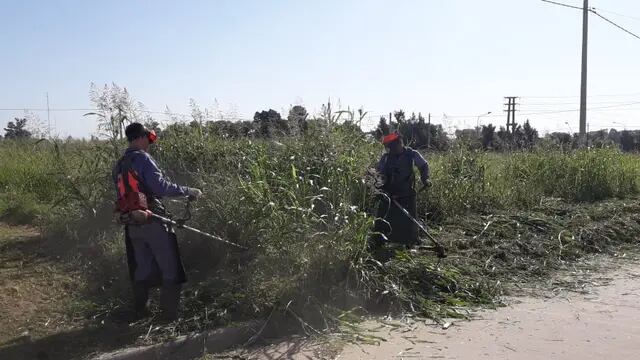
pixel 458 57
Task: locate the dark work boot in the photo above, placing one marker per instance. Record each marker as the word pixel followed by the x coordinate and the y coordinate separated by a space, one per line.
pixel 170 301
pixel 140 298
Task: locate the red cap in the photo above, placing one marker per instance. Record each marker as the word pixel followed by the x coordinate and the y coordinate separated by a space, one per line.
pixel 151 135
pixel 388 139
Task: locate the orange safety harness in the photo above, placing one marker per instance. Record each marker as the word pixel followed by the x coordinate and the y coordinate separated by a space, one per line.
pixel 132 203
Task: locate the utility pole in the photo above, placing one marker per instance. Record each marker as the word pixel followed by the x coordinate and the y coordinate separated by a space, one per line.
pixel 583 85
pixel 429 132
pixel 511 113
pixel 48 117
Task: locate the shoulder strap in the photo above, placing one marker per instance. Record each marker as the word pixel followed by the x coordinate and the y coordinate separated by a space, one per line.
pixel 384 159
pixel 385 163
pixel 412 153
pixel 125 170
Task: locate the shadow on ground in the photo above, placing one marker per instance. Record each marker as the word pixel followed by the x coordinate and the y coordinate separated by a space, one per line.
pixel 301 348
pixel 42 297
pixel 61 299
pixel 75 344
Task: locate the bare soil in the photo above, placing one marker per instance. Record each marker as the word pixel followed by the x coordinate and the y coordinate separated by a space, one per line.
pixel 34 291
pixel 42 308
pixel 575 316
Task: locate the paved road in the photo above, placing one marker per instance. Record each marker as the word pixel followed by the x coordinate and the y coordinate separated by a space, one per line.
pixel 601 322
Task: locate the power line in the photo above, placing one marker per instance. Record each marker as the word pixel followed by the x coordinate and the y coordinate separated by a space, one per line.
pixel 561 4
pixel 595 12
pixel 572 110
pixel 614 24
pixel 616 106
pixel 574 96
pixel 551 104
pixel 550 98
pixel 45 109
pixel 616 13
pixel 86 109
pixel 583 83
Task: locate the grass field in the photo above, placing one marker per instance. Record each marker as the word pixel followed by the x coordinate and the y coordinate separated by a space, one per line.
pixel 303 206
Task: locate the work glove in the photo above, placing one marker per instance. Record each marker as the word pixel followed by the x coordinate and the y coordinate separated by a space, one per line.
pixel 380 181
pixel 194 193
pixel 427 183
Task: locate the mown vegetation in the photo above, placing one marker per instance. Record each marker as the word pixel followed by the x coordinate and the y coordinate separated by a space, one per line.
pixel 302 203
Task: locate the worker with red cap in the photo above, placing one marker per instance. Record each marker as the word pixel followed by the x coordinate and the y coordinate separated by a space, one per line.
pixel 396 167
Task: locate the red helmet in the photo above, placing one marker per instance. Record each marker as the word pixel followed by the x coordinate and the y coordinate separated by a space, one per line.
pixel 388 139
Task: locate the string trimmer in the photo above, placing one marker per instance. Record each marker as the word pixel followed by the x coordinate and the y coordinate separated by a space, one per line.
pixel 437 247
pixel 440 250
pixel 141 215
pixel 180 223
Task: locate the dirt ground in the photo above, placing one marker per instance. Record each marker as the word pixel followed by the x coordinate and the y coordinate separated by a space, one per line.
pixel 33 291
pixel 41 306
pixel 600 320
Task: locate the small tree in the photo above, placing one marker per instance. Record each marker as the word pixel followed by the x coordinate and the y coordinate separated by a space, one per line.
pixel 468 138
pixel 627 142
pixel 614 136
pixel 488 136
pixel 271 123
pixel 383 128
pixel 297 119
pixel 529 135
pixel 17 129
pixel 598 139
pixel 504 139
pixel 437 138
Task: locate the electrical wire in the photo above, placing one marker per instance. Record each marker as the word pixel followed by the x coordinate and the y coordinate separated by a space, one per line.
pixel 552 104
pixel 45 109
pixel 614 24
pixel 561 4
pixel 574 110
pixel 595 12
pixel 577 96
pixel 616 13
pixel 97 110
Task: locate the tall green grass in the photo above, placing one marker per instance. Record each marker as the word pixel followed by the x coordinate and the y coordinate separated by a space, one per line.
pixel 27 183
pixel 301 204
pixel 466 181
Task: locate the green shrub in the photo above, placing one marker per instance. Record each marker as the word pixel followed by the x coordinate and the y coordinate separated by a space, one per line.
pixel 19 208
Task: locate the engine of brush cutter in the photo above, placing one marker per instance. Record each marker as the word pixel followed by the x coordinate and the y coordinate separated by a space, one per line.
pixel 132 209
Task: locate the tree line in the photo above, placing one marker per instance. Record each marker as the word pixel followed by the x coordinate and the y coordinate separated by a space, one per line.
pixel 116 108
pixel 417 132
pixel 420 134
